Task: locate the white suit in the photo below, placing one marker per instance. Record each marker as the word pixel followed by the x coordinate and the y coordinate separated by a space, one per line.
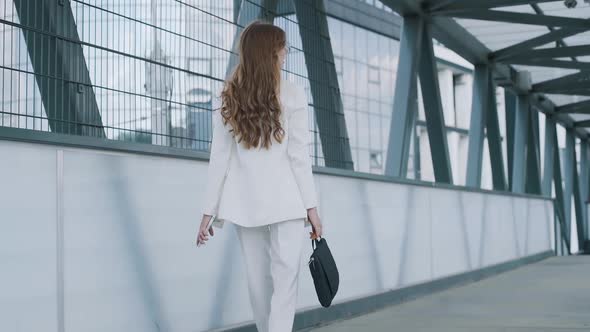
pixel 266 194
pixel 262 186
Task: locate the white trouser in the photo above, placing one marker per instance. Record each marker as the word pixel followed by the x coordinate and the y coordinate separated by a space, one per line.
pixel 272 255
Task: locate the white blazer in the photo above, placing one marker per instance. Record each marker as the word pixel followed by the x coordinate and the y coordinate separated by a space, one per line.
pixel 262 186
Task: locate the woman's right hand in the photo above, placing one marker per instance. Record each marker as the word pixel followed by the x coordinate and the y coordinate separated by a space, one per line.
pixel 316 224
pixel 202 236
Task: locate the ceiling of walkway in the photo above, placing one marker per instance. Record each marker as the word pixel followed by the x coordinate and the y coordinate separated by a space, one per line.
pixel 543 37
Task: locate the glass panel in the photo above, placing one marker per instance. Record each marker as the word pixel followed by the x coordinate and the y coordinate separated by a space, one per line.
pixel 367 85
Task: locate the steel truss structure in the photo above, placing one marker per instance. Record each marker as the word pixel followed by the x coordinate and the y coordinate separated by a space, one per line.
pixel 524 101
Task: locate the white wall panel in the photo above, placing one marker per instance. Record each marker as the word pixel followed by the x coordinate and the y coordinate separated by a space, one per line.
pixel 130 221
pixel 28 275
pixel 450 253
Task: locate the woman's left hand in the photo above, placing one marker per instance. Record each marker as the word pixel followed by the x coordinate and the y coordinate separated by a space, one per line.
pixel 202 236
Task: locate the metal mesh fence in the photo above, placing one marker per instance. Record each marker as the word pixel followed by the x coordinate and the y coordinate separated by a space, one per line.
pixel 143 71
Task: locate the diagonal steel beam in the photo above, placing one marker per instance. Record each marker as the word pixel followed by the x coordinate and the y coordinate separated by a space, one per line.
pixel 578 80
pixel 416 140
pixel 539 11
pixel 573 92
pixel 570 88
pixel 510 101
pixel 579 205
pixel 568 176
pixel 443 5
pixel 327 100
pixel 64 81
pixel 549 156
pixel 404 8
pixel 533 163
pixel 588 176
pixel 405 92
pixel 579 107
pixel 440 4
pixel 413 138
pixel 458 39
pixel 548 63
pixel 575 78
pixel 554 52
pixel 584 183
pixel 584 123
pixel 520 18
pixel 435 123
pixel 534 42
pixel 577 111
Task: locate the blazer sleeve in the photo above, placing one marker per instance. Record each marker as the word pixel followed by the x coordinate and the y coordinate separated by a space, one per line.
pixel 298 149
pixel 221 144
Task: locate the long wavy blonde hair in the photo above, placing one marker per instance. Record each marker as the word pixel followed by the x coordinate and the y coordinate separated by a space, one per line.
pixel 250 97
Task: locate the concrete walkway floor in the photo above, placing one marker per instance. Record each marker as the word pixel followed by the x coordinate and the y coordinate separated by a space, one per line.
pixel 550 295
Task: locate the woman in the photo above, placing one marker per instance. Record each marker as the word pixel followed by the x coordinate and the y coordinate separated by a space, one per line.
pixel 260 138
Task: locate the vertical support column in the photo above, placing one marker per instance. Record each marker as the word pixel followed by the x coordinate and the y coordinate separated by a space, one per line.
pixel 319 59
pixel 63 78
pixel 405 92
pixel 494 138
pixel 533 169
pixel 549 155
pixel 520 136
pixel 479 107
pixel 559 195
pixel 435 123
pixel 510 111
pixel 584 184
pixel 446 80
pixel 568 177
pixel 578 205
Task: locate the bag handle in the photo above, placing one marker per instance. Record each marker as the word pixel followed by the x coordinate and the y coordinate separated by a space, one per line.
pixel 315 241
pixel 319 238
